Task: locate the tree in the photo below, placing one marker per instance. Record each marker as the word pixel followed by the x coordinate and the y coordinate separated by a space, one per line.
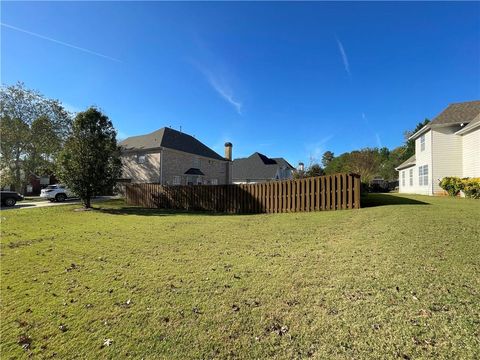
pixel 365 162
pixel 33 129
pixel 388 164
pixel 327 158
pixel 45 143
pixel 338 164
pixel 314 170
pixel 90 160
pixel 15 135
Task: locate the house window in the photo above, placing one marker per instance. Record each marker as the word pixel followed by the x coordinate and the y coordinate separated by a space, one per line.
pixel 196 163
pixel 423 175
pixel 140 158
pixel 422 143
pixel 214 181
pixel 189 180
pixel 403 178
pixel 411 177
pixel 177 180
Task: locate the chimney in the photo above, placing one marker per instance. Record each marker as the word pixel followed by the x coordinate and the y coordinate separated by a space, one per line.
pixel 301 166
pixel 228 151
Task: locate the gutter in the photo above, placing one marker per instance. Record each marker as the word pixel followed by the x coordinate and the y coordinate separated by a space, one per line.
pixel 467 128
pixel 419 132
pixel 405 167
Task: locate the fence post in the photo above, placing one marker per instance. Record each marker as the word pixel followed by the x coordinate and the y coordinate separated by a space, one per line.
pixel 357 191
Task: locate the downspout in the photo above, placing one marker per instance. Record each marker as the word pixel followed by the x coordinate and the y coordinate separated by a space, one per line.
pixel 161 166
pixel 431 162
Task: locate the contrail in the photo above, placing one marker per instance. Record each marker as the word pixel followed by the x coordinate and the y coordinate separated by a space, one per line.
pixel 59 42
pixel 344 56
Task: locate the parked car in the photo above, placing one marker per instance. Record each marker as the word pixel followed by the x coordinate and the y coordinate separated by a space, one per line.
pixel 10 198
pixel 56 192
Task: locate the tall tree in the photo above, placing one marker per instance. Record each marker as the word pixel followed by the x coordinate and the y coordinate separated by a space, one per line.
pixel 327 158
pixel 45 143
pixel 15 135
pixel 90 160
pixel 33 129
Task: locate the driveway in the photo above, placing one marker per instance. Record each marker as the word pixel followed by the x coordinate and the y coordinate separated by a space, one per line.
pixel 44 203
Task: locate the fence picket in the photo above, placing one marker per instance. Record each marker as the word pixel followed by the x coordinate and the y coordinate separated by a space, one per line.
pixel 331 192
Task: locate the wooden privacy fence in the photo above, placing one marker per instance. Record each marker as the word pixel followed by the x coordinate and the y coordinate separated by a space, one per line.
pixel 332 192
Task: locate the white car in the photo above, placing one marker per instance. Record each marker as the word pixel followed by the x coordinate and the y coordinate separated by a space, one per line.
pixel 56 192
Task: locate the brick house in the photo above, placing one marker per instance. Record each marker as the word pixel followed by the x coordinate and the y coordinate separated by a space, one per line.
pixel 171 157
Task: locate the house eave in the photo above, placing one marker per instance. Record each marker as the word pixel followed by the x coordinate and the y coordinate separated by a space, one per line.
pixel 467 129
pixel 420 132
pixel 404 167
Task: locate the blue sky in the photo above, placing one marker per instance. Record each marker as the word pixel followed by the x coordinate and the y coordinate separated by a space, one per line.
pixel 284 79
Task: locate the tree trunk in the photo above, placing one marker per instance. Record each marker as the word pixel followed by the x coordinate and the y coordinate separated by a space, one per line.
pixel 86 203
pixel 17 176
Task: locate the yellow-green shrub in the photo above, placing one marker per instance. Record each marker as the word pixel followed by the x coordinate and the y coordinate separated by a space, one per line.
pixel 453 185
pixel 471 187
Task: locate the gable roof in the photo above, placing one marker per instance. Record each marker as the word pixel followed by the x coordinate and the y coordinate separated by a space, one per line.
pixel 257 167
pixel 454 114
pixel 458 113
pixel 407 163
pixel 171 139
pixel 193 171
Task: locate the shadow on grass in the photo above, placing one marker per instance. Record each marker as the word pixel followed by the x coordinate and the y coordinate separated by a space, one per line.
pixel 371 200
pixel 132 210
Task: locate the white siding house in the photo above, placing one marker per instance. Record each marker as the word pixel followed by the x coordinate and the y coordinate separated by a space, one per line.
pixel 447 146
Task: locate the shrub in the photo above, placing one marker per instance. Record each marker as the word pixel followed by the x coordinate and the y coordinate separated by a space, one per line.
pixel 471 187
pixel 451 184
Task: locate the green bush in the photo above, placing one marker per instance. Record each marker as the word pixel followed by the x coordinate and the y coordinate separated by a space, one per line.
pixel 453 185
pixel 471 187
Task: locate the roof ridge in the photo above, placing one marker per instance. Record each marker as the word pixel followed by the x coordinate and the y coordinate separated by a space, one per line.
pixel 464 102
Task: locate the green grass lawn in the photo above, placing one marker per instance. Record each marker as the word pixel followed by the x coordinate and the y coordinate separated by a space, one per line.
pixel 396 281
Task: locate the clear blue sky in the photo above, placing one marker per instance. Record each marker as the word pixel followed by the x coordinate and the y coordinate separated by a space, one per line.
pixel 284 79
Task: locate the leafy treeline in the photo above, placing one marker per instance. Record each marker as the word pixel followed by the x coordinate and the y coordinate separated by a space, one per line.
pixel 39 137
pixel 369 163
pixel 33 129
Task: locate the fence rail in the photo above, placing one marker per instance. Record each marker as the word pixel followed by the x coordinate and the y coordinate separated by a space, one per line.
pixel 332 192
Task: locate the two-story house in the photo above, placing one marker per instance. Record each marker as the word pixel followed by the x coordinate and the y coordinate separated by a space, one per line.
pixel 448 146
pixel 260 168
pixel 171 157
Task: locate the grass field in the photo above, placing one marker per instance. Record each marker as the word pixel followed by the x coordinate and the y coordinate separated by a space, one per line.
pixel 395 281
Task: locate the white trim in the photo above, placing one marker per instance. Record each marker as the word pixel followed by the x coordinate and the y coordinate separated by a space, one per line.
pixel 467 128
pixel 419 132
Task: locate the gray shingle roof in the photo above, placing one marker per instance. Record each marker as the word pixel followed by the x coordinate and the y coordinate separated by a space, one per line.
pixel 257 167
pixel 458 113
pixel 475 123
pixel 172 139
pixel 194 171
pixel 407 163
